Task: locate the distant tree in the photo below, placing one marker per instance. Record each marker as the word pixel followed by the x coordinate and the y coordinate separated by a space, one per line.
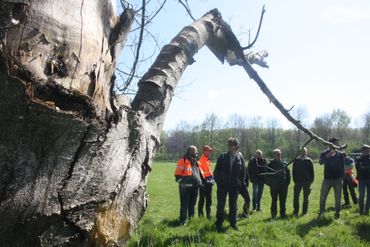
pixel 256 125
pixel 300 113
pixel 366 128
pixel 341 121
pixel 209 125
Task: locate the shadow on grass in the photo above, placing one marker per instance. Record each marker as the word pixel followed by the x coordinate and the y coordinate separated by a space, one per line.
pixel 363 231
pixel 188 236
pixel 171 222
pixel 303 229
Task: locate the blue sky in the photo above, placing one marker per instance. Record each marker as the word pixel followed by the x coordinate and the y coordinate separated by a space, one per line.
pixel 318 57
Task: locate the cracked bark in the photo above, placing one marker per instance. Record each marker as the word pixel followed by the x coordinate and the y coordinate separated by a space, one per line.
pixel 74 166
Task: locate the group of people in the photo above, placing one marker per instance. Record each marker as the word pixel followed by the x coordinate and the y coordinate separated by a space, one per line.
pixel 232 176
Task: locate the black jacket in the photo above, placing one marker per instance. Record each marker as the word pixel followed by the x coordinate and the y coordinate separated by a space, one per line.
pixel 303 171
pixel 255 167
pixel 226 178
pixel 333 166
pixel 363 167
pixel 279 174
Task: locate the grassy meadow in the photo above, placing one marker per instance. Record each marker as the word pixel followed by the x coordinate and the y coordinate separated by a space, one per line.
pixel 160 224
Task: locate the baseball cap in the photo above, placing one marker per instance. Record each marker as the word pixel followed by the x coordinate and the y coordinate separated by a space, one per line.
pixel 207 147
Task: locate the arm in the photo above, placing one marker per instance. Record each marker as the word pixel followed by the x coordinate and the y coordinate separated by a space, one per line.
pixel 216 172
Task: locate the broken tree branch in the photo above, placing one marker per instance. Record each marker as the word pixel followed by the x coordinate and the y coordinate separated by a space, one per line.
pixel 258 31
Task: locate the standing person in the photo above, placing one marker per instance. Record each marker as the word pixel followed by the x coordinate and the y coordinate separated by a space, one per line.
pixel 229 173
pixel 333 161
pixel 188 175
pixel 349 182
pixel 256 166
pixel 205 192
pixel 303 176
pixel 363 176
pixel 243 190
pixel 278 180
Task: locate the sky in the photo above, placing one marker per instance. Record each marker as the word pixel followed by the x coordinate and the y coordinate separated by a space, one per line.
pixel 318 59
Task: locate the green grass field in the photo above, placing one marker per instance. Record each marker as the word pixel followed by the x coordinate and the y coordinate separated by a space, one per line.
pixel 160 224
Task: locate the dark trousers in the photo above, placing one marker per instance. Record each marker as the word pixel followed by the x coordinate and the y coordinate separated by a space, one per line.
pixel 188 199
pixel 221 201
pixel 205 194
pixel 243 191
pixel 364 188
pixel 281 193
pixel 348 185
pixel 257 194
pixel 297 191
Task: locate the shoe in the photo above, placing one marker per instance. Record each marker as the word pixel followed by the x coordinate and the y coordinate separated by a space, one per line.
pixel 346 205
pixel 259 210
pixel 245 216
pixel 295 215
pixel 235 228
pixel 320 216
pixel 337 215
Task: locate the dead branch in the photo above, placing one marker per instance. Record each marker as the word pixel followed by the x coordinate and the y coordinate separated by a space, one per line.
pixel 258 31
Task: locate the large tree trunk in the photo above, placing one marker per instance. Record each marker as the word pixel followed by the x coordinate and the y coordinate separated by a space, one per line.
pixel 73 161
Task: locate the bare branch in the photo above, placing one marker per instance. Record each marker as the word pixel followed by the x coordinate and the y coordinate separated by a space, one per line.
pixel 187 8
pixel 133 70
pixel 258 31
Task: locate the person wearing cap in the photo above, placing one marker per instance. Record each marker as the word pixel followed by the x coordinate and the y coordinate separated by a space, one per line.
pixel 303 176
pixel 363 176
pixel 278 180
pixel 349 181
pixel 229 173
pixel 257 166
pixel 189 177
pixel 333 161
pixel 205 191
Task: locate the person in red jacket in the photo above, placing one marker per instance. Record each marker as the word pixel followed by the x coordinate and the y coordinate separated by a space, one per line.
pixel 205 192
pixel 189 177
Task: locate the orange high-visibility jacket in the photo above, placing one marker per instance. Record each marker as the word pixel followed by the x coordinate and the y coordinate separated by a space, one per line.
pixel 205 166
pixel 183 168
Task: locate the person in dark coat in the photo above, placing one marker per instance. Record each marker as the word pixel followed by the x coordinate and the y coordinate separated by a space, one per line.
pixel 256 167
pixel 363 176
pixel 333 161
pixel 278 179
pixel 303 176
pixel 229 173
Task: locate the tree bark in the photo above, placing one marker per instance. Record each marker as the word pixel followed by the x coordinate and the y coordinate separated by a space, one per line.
pixel 74 162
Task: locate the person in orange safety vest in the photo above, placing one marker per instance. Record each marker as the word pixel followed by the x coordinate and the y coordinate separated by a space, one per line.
pixel 189 177
pixel 205 192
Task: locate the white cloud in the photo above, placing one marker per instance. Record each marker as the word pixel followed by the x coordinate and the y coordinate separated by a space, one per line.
pixel 342 13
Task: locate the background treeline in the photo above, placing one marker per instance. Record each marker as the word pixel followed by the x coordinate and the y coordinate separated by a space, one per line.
pixel 253 133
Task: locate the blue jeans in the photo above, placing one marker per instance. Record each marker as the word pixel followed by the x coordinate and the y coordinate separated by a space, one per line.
pixel 363 185
pixel 257 194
